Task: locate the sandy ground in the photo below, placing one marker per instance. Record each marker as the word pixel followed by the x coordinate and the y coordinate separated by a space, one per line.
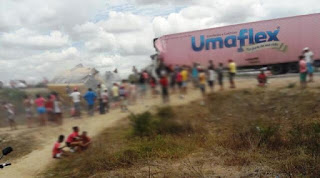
pixel 37 161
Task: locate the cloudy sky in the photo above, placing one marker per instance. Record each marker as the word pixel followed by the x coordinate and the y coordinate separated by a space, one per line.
pixel 42 38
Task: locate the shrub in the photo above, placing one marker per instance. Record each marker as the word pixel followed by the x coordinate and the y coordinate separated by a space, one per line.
pixel 163 122
pixel 142 124
pixel 165 112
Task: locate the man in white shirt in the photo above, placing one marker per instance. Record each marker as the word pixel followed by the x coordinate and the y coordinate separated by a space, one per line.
pixel 76 97
pixel 308 55
pixel 211 76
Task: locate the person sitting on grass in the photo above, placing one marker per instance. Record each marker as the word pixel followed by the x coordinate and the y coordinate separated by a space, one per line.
pixel 86 141
pixel 262 79
pixel 57 151
pixel 73 140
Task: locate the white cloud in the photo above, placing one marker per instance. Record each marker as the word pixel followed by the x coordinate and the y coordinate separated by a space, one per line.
pixel 48 15
pixel 119 22
pixel 27 39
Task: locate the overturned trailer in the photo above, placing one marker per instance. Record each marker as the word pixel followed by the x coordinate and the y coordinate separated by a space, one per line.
pixel 79 77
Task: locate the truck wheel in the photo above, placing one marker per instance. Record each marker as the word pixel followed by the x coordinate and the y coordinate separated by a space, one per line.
pixel 316 63
pixel 277 69
pixel 293 67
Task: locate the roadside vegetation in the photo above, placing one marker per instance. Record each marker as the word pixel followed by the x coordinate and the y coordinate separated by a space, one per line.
pixel 248 133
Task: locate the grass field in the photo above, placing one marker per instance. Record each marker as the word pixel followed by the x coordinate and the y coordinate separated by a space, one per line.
pixel 247 133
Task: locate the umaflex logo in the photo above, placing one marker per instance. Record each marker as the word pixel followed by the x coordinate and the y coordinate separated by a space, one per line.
pixel 231 40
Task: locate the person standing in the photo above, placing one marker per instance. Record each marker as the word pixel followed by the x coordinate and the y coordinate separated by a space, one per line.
pixel 28 107
pixel 164 86
pixel 232 73
pixel 211 65
pixel 132 93
pixel 308 56
pixel 123 97
pixel 195 77
pixel 143 87
pixel 99 97
pixel 90 97
pixel 303 72
pixel 10 115
pixel 57 109
pixel 179 83
pixel 115 95
pixel 153 84
pixel 219 71
pixel 105 100
pixel 49 108
pixel 76 98
pixel 212 76
pixel 173 76
pixel 185 76
pixel 202 84
pixel 40 103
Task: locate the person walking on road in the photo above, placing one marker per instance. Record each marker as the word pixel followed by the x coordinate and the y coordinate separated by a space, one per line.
pixel 90 97
pixel 303 72
pixel 232 73
pixel 76 98
pixel 308 55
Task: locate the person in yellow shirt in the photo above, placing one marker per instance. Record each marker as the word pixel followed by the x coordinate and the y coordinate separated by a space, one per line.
pixel 232 73
pixel 185 75
pixel 202 84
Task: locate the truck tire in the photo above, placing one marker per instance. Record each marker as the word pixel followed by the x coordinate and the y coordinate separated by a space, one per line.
pixel 293 67
pixel 278 69
pixel 316 63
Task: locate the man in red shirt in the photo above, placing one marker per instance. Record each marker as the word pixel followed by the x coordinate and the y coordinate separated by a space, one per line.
pixel 57 151
pixel 73 140
pixel 303 72
pixel 164 85
pixel 262 79
pixel 49 107
pixel 86 141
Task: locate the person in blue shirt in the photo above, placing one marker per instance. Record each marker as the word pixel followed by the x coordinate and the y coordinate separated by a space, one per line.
pixel 90 97
pixel 195 74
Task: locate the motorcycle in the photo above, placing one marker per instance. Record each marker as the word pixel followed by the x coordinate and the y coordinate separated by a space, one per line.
pixel 5 152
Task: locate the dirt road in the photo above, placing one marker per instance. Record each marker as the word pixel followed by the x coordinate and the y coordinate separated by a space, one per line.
pixel 37 161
